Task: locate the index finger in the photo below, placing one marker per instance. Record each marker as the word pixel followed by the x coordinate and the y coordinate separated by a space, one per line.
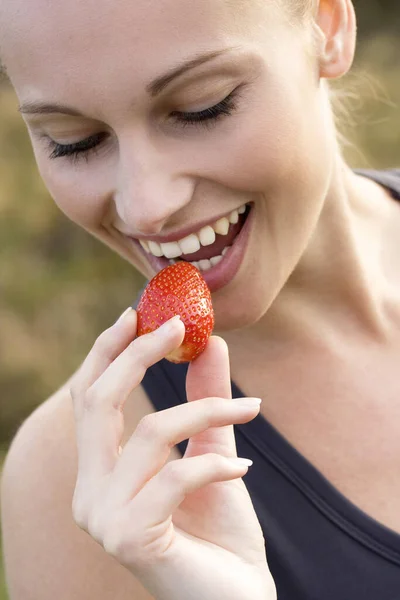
pixel 110 343
pixel 99 410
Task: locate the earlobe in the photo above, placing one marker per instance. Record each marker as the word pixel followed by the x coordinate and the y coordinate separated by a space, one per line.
pixel 336 23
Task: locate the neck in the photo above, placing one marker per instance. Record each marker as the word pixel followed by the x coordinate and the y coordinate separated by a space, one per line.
pixel 336 293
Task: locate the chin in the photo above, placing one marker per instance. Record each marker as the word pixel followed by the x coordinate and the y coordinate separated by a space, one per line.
pixel 235 318
pixel 242 303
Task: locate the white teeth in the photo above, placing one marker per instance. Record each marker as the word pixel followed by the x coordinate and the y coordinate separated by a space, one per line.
pixel 155 249
pixel 207 236
pixel 171 249
pixel 190 244
pixel 204 265
pixel 221 226
pixel 234 217
pixel 145 246
pixel 225 250
pixel 215 260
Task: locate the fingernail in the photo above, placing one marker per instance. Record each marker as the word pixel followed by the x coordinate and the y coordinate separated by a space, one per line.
pixel 167 327
pixel 127 311
pixel 242 462
pixel 249 401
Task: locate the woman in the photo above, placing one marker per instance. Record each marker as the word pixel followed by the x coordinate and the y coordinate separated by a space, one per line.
pixel 149 122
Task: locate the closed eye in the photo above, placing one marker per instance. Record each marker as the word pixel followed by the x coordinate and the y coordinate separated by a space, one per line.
pixel 84 148
pixel 223 108
pixel 78 149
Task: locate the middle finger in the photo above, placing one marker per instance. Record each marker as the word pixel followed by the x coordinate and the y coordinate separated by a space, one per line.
pixel 148 449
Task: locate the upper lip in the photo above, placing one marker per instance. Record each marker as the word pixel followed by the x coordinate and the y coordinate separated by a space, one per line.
pixel 181 233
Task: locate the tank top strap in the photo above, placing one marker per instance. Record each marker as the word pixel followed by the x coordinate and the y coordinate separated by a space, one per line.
pixel 389 178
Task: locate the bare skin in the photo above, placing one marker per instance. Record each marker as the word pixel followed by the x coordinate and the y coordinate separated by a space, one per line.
pixel 320 286
pixel 339 406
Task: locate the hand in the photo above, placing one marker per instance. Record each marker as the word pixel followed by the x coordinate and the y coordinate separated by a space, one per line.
pixel 187 528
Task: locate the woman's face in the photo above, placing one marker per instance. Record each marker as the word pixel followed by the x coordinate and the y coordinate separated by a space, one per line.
pixel 87 75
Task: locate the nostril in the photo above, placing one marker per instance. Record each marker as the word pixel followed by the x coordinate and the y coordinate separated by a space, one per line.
pixel 147 227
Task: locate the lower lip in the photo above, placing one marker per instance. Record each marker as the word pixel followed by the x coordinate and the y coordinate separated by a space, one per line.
pixel 223 273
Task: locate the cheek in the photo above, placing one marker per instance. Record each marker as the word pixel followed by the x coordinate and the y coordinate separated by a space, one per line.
pixel 77 190
pixel 281 142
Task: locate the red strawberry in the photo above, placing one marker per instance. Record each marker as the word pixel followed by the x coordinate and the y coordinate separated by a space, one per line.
pixel 178 290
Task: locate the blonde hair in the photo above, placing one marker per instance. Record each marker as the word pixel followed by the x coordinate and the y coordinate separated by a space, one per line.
pixel 299 10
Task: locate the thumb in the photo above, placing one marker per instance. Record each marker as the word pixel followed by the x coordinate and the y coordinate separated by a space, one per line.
pixel 209 375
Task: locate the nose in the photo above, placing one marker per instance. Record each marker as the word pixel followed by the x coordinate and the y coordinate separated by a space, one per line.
pixel 151 190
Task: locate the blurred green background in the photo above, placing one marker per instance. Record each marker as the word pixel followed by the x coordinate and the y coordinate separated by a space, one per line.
pixel 59 288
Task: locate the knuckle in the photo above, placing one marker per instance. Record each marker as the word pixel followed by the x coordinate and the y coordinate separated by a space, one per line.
pixel 112 543
pixel 102 345
pixel 119 544
pixel 75 397
pixel 76 393
pixel 216 461
pixel 73 392
pixel 145 347
pixel 173 473
pixel 140 352
pixel 213 458
pixel 96 524
pixel 75 385
pixel 149 426
pixel 147 341
pixel 212 462
pixel 80 513
pixel 134 546
pixel 137 355
pixel 88 401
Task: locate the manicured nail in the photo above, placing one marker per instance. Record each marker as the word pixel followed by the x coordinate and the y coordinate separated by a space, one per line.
pixel 248 401
pixel 242 462
pixel 126 312
pixel 166 328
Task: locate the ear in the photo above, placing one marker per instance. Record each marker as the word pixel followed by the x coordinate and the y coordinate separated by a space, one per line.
pixel 336 24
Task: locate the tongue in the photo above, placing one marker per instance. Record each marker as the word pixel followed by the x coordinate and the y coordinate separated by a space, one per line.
pixel 221 242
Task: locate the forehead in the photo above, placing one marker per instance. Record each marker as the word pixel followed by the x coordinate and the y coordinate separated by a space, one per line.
pixel 54 45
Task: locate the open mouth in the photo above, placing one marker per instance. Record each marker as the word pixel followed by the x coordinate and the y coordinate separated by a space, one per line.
pixel 204 250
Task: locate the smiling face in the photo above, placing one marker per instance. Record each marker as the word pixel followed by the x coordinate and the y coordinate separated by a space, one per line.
pixel 259 152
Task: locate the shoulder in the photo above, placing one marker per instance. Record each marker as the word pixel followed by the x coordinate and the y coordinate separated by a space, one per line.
pixel 48 434
pixel 39 534
pixel 389 178
pixel 40 442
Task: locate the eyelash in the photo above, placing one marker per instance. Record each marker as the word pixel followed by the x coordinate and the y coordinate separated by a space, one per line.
pixel 205 118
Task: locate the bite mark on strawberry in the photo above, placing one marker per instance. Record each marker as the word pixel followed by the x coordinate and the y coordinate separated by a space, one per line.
pixel 179 289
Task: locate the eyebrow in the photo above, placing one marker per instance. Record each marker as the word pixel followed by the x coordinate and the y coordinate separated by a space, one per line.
pixel 153 89
pixel 160 83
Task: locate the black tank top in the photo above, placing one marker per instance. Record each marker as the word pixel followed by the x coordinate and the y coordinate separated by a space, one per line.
pixel 320 545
